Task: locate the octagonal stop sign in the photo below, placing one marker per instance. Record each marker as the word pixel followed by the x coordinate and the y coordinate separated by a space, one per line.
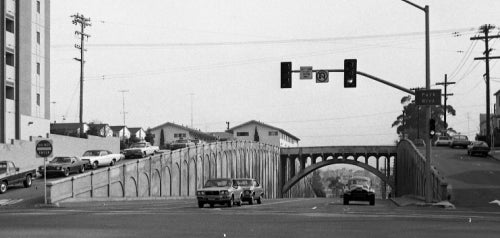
pixel 43 148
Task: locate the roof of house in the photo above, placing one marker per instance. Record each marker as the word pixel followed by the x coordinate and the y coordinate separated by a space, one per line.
pixel 196 133
pixel 65 126
pixel 133 130
pixel 266 125
pixel 497 92
pixel 116 128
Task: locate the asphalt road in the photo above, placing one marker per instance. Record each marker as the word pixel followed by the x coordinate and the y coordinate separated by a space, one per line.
pixel 274 218
pixel 474 180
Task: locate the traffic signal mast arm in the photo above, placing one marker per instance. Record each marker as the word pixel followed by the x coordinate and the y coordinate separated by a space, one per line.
pixel 368 76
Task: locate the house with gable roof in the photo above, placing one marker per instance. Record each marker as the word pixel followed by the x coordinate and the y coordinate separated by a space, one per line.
pixel 258 131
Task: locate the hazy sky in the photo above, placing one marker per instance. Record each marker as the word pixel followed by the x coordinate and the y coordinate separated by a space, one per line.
pixel 227 54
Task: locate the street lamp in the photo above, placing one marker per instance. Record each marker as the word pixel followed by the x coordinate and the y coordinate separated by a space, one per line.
pixel 428 184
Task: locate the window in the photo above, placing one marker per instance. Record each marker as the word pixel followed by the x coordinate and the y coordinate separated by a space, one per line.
pixel 38 6
pixel 38 37
pixel 179 135
pixel 38 68
pixel 243 133
pixel 9 92
pixel 9 59
pixel 38 99
pixel 273 133
pixel 9 25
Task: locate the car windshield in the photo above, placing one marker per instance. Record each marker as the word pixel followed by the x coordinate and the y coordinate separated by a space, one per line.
pixel 61 160
pixel 218 183
pixel 92 153
pixel 244 182
pixel 363 182
pixel 138 145
pixel 460 137
pixel 443 138
pixel 480 143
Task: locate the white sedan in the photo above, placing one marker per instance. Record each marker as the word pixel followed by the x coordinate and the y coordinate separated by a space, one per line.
pixel 101 158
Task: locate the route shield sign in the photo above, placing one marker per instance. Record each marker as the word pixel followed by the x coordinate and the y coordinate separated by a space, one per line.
pixel 322 76
pixel 428 97
pixel 306 72
pixel 43 148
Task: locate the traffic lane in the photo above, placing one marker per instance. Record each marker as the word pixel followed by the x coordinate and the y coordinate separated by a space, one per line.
pixel 286 219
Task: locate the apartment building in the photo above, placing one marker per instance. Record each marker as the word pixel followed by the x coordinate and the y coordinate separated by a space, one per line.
pixel 25 71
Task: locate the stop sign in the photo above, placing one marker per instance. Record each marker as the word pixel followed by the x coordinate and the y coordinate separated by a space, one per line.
pixel 43 148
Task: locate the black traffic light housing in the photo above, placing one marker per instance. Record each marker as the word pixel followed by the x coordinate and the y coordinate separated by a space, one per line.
pixel 350 73
pixel 432 128
pixel 286 74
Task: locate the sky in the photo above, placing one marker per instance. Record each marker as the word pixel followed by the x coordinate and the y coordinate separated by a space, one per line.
pixel 215 61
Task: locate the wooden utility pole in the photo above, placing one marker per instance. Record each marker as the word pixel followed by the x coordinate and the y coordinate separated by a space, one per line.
pixel 84 22
pixel 485 29
pixel 446 94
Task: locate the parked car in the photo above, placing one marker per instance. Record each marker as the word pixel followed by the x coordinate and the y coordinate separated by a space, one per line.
pixel 179 144
pixel 359 188
pixel 11 175
pixel 64 165
pixel 140 149
pixel 442 140
pixel 478 147
pixel 252 190
pixel 460 141
pixel 220 191
pixel 101 158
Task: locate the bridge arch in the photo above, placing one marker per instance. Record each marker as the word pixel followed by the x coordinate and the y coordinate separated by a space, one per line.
pixel 304 172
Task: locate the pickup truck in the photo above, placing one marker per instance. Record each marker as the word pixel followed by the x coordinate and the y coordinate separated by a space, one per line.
pixel 140 149
pixel 10 175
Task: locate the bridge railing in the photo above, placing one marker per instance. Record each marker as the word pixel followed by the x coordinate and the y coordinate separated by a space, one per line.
pixel 411 177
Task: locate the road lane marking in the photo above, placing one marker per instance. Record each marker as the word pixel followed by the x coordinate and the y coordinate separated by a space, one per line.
pixel 6 202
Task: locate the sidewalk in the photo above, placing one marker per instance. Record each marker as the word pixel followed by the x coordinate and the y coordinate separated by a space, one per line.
pixel 405 201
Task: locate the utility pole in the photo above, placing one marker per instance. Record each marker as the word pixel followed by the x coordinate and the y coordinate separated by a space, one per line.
pixel 84 22
pixel 123 91
pixel 446 94
pixel 485 30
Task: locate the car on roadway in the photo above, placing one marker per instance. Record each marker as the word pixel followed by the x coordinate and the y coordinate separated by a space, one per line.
pixel 179 144
pixel 64 165
pixel 11 175
pixel 223 191
pixel 252 190
pixel 478 147
pixel 140 149
pixel 359 188
pixel 99 158
pixel 442 141
pixel 460 141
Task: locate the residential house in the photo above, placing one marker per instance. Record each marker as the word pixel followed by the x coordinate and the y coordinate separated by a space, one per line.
pixel 102 130
pixel 68 129
pixel 137 132
pixel 121 131
pixel 258 131
pixel 173 132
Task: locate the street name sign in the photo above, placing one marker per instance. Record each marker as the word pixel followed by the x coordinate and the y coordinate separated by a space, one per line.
pixel 322 76
pixel 43 148
pixel 306 72
pixel 428 97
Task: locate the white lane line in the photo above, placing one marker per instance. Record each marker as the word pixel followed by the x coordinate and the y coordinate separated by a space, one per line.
pixel 6 202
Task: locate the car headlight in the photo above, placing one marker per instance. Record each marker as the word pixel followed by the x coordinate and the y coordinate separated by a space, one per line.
pixel 200 193
pixel 224 192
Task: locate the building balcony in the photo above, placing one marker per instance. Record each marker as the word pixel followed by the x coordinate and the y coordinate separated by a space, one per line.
pixel 10 74
pixel 10 41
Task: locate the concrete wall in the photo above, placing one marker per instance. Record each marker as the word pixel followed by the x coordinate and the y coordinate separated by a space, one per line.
pixel 22 153
pixel 174 174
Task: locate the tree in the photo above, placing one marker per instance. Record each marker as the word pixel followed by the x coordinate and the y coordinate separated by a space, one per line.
pixel 317 185
pixel 149 137
pixel 256 135
pixel 412 121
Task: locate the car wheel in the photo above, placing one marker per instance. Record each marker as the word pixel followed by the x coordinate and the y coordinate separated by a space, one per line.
pixel 250 202
pixel 95 165
pixel 66 172
pixel 230 203
pixel 28 181
pixel 112 162
pixel 259 199
pixel 211 205
pixel 82 169
pixel 200 205
pixel 3 187
pixel 144 155
pixel 239 202
pixel 346 200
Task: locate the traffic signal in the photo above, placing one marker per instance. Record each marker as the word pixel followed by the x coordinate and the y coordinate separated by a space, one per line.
pixel 432 128
pixel 350 73
pixel 286 74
